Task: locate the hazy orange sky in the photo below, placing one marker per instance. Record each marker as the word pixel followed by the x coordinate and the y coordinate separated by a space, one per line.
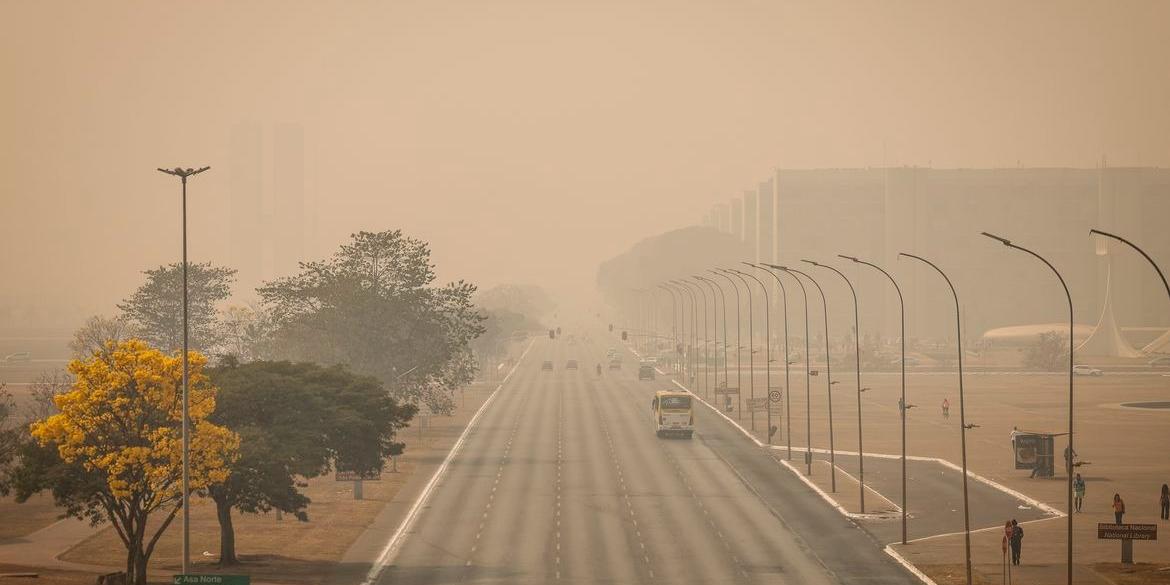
pixel 528 140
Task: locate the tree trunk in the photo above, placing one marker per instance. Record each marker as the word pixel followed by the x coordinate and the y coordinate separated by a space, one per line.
pixel 136 562
pixel 227 533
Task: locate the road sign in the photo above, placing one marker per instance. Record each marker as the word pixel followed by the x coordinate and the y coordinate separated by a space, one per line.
pixel 355 476
pixel 1127 531
pixel 774 395
pixel 212 580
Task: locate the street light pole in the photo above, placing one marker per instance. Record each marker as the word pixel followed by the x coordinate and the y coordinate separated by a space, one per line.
pixel 706 342
pixel 751 351
pixel 905 407
pixel 694 338
pixel 673 313
pixel 787 363
pixel 807 373
pixel 1139 251
pixel 183 174
pixel 738 346
pixel 1068 462
pixel 857 358
pixel 962 411
pixel 722 297
pixel 828 380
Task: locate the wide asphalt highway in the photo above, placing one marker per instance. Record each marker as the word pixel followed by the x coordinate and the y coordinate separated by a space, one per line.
pixel 562 479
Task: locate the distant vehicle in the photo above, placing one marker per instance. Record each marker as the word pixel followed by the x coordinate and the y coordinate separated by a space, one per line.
pixel 571 365
pixel 1160 362
pixel 615 363
pixel 912 361
pixel 651 360
pixel 1087 371
pixel 645 372
pixel 20 356
pixel 547 365
pixel 672 414
pixel 611 353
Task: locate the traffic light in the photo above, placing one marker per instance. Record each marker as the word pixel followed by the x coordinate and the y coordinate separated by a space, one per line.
pixel 624 335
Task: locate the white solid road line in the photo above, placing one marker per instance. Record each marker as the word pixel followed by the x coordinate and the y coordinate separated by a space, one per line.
pixel 1053 512
pixel 391 548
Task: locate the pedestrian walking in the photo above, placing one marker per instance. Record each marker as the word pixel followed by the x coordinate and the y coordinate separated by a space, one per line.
pixel 946 408
pixel 1017 541
pixel 1118 508
pixel 1078 492
pixel 1069 462
pixel 1165 502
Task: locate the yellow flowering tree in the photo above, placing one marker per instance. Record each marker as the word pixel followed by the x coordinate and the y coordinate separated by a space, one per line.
pixel 121 427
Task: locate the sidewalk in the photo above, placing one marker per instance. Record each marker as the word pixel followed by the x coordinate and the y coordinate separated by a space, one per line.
pixel 41 548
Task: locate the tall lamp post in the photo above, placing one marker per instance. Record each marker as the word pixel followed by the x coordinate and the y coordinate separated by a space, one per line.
pixel 857 358
pixel 715 287
pixel 183 174
pixel 694 338
pixel 905 407
pixel 1139 251
pixel 787 363
pixel 1068 460
pixel 738 345
pixel 751 351
pixel 673 313
pixel 706 342
pixel 807 372
pixel 962 411
pixel 828 379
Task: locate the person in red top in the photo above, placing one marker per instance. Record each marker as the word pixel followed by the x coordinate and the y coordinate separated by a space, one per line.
pixel 946 408
pixel 1118 508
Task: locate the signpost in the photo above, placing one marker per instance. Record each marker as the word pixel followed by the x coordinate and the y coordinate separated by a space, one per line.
pixel 1127 533
pixel 212 580
pixel 357 479
pixel 757 404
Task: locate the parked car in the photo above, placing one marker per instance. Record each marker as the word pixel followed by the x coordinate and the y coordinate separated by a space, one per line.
pixel 547 365
pixel 615 363
pixel 571 365
pixel 20 356
pixel 1087 371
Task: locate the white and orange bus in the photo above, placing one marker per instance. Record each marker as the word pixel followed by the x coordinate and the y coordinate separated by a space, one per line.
pixel 673 414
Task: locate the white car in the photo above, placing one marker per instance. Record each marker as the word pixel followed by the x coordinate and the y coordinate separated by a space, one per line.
pixel 1086 371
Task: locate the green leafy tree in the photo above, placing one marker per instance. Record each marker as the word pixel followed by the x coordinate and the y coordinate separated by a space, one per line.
pixel 373 307
pixel 156 308
pixel 10 434
pixel 295 420
pixel 1047 353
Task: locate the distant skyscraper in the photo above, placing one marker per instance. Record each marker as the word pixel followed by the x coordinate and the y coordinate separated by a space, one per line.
pixel 766 243
pixel 722 218
pixel 267 235
pixel 737 218
pixel 750 225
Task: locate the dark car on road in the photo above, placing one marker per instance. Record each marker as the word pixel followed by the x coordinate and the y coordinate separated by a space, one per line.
pixel 547 365
pixel 645 372
pixel 571 365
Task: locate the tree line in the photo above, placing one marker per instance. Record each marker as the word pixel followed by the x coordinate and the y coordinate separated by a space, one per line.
pixel 320 375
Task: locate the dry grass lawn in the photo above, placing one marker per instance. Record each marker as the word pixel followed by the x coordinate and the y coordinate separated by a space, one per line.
pixel 288 551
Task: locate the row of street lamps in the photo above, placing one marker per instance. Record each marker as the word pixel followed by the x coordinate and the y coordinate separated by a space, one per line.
pixel 685 288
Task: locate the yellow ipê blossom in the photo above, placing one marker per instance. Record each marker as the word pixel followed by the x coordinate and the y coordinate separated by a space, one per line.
pixel 123 419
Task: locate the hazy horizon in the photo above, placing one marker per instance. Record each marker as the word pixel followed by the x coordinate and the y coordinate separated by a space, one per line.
pixel 526 142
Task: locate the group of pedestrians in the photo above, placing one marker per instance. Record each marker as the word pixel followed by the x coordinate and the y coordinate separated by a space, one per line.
pixel 1013 533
